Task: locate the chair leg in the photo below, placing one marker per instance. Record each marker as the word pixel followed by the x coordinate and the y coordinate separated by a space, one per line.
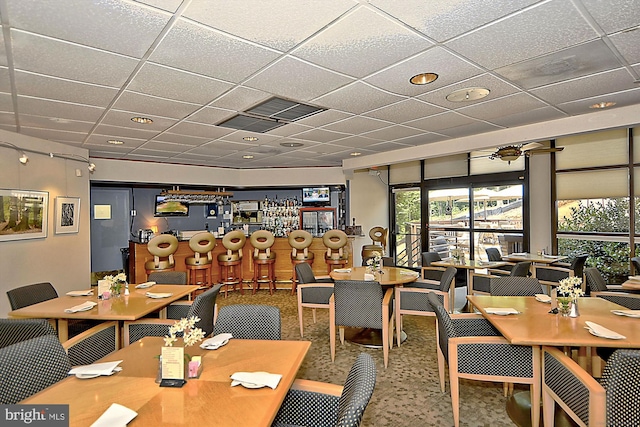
pixel 341 332
pixel 300 315
pixel 455 397
pixel 398 317
pixel 332 331
pixel 313 311
pixel 535 404
pixel 385 341
pixel 548 409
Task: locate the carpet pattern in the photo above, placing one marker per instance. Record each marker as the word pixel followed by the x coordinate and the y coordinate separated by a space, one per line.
pixel 407 393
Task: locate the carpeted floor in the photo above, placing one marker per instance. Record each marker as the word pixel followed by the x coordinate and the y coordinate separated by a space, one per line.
pixel 407 393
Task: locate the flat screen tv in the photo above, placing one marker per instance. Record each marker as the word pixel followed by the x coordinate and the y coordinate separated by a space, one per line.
pixel 165 207
pixel 316 196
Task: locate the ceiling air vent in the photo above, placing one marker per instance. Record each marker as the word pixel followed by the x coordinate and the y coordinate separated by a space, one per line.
pixel 270 114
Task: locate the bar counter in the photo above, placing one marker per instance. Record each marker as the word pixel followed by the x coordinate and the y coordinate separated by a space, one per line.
pixel 138 255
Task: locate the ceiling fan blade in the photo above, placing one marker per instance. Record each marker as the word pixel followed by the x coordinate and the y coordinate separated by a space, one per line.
pixel 545 150
pixel 531 146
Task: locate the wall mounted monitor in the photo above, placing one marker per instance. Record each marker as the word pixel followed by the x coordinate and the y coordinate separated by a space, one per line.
pixel 165 207
pixel 316 196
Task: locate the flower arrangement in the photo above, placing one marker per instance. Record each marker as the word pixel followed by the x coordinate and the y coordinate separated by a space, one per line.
pixel 571 287
pixel 374 261
pixel 190 334
pixel 117 282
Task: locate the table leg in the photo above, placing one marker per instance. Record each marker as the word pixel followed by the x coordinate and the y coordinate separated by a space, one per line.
pixel 367 337
pixel 63 330
pixel 519 410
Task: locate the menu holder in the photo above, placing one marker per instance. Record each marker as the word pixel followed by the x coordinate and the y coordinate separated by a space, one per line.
pixel 103 286
pixel 172 363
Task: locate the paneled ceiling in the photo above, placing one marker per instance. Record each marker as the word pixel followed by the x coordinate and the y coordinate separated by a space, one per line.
pixel 77 71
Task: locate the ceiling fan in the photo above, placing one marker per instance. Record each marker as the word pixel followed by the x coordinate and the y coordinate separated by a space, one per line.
pixel 510 153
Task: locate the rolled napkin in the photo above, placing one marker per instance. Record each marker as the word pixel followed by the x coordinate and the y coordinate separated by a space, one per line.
pixel 550 256
pixel 87 305
pixel 115 415
pixel 342 270
pixel 503 311
pixel 158 294
pixel 255 379
pixel 216 342
pixel 369 276
pixel 628 313
pixel 104 368
pixel 84 293
pixel 602 332
pixel 543 298
pixel 145 285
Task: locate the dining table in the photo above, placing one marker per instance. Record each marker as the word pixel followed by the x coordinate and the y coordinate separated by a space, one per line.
pixel 209 399
pixel 535 324
pixel 124 307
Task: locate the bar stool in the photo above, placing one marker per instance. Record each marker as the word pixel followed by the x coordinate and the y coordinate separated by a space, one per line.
pixel 201 244
pixel 335 241
pixel 299 240
pixel 378 235
pixel 230 262
pixel 162 247
pixel 262 241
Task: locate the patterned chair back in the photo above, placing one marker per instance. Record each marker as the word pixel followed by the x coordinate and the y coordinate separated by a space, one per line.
pixel 595 281
pixel 358 303
pixel 169 277
pixel 31 294
pixel 203 307
pixel 493 254
pixel 636 264
pixel 249 322
pixel 447 278
pixel 94 344
pixel 577 265
pixel 446 329
pixel 304 273
pixel 357 391
pixel 429 257
pixel 514 286
pixel 621 380
pixel 15 330
pixel 520 269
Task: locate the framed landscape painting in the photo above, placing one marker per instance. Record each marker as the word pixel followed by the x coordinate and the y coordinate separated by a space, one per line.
pixel 67 215
pixel 23 214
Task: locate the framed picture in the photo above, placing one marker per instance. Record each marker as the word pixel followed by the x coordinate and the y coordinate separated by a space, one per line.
pixel 67 215
pixel 23 214
pixel 211 210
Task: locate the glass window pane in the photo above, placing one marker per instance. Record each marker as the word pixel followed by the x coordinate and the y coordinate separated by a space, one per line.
pixel 594 215
pixel 498 207
pixel 610 258
pixel 592 149
pixel 408 226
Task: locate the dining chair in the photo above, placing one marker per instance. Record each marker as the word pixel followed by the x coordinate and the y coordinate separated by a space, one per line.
pixel 361 304
pixel 15 330
pixel 169 277
pixel 412 298
pixel 203 307
pixel 475 350
pixel 31 294
pixel 613 401
pixel 312 292
pixel 312 403
pixel 480 282
pixel 635 261
pixel 429 272
pixel 30 366
pixel 93 344
pixel 596 283
pixel 514 286
pixel 494 255
pixel 550 275
pixel 249 322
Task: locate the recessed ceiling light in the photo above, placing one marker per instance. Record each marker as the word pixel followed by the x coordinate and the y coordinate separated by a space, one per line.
pixel 291 144
pixel 143 120
pixel 115 142
pixel 468 94
pixel 247 156
pixel 250 138
pixel 423 78
pixel 355 153
pixel 603 105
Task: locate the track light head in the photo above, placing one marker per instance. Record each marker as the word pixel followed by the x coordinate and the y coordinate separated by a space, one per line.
pixel 23 159
pixel 91 167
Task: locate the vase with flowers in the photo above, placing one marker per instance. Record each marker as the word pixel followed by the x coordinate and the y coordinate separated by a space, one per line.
pixel 569 290
pixel 117 284
pixel 190 335
pixel 374 263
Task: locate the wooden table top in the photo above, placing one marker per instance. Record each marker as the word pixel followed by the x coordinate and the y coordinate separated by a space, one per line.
pixel 390 275
pixel 534 258
pixel 631 284
pixel 208 400
pixel 468 264
pixel 536 326
pixel 131 307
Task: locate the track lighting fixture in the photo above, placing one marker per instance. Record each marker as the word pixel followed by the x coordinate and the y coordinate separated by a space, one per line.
pixel 24 158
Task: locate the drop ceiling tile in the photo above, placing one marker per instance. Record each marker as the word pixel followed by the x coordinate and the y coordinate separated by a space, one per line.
pixel 510 104
pixel 211 115
pixel 444 19
pixel 208 150
pixel 200 130
pixel 586 87
pixel 98 140
pixel 528 34
pixel 240 99
pixel 280 24
pixel 53 135
pixel 628 44
pixel 263 138
pixel 41 86
pixel 123 119
pixel 324 118
pixel 392 132
pixel 69 61
pixel 199 49
pixel 6 102
pixel 497 87
pixel 8 127
pixel 57 124
pixel 470 129
pixel 626 14
pixel 5 83
pixel 440 121
pixel 64 110
pixel 98 24
pixel 357 98
pixel 449 68
pixel 166 82
pixel 425 138
pixel 3 51
pixel 356 141
pixel 303 81
pixel 358 53
pixel 320 135
pixel 624 98
pixel 180 139
pixel 146 158
pixel 115 132
pixel 289 129
pixel 7 119
pixel 576 61
pixel 168 5
pixel 356 125
pixel 105 154
pixel 132 101
pixel 323 149
pixel 404 111
pixel 528 117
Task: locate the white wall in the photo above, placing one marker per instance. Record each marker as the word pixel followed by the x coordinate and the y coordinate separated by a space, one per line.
pixel 540 201
pixel 64 259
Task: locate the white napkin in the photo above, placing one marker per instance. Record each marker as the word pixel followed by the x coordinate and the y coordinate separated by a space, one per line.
pixel 550 256
pixel 409 273
pixel 543 298
pixel 115 415
pixel 518 253
pixel 369 276
pixel 342 270
pixel 216 342
pixel 634 278
pixel 84 293
pixel 87 305
pixel 104 368
pixel 503 311
pixel 145 285
pixel 629 313
pixel 256 379
pixel 158 294
pixel 602 332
